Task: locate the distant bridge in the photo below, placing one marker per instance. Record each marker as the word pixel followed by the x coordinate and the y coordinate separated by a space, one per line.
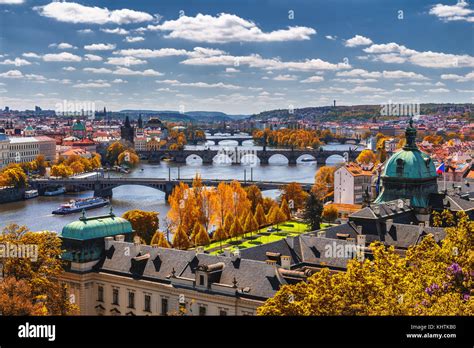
pixel 216 139
pixel 103 187
pixel 236 155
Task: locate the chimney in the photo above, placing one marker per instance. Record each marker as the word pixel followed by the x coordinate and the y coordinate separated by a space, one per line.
pixel 108 242
pixel 427 223
pixel 350 240
pixel 361 238
pixel 285 262
pixel 120 238
pixel 322 234
pixel 227 252
pixel 421 227
pixel 136 248
pixel 388 224
pixel 359 230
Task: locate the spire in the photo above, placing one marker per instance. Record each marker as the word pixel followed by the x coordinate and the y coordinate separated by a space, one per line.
pixel 410 135
pixel 127 122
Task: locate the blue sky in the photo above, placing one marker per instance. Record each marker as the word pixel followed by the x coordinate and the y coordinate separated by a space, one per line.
pixel 234 56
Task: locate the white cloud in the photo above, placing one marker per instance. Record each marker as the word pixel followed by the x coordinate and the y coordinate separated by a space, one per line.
pixel 85 31
pixel 394 74
pixel 31 55
pixel 459 78
pixel 132 39
pixel 72 12
pixel 16 62
pixel 313 79
pixel 458 12
pixel 119 81
pixel 62 46
pixel 437 90
pixel 395 53
pixel 125 61
pixel 92 85
pixel 231 70
pixel 92 57
pixel 198 84
pixel 11 2
pixel 285 78
pixel 69 68
pixel 98 70
pixel 358 40
pixel 100 47
pixel 61 57
pixel 12 74
pixel 331 37
pixel 256 61
pixel 147 72
pixel 118 31
pixel 226 28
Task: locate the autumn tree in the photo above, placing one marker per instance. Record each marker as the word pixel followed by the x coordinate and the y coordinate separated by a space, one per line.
pixel 113 151
pixel 260 216
pixel 433 279
pixel 17 298
pixel 366 156
pixel 285 208
pixel 330 213
pixel 324 182
pixel 251 224
pixel 159 239
pixel 313 211
pixel 61 170
pixel 128 158
pixel 144 223
pixel 14 176
pixel 228 222
pixel 181 239
pixel 294 194
pixel 219 235
pixel 202 237
pixel 277 216
pixel 254 195
pixel 37 278
pixel 236 229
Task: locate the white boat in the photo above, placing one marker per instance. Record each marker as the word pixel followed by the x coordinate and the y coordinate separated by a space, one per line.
pixel 58 191
pixel 31 194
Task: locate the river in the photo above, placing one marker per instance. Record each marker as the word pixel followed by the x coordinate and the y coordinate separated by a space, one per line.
pixel 36 213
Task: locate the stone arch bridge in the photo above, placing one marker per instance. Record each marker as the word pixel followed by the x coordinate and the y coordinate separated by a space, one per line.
pixel 103 187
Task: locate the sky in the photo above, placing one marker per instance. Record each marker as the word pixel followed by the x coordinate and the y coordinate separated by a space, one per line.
pixel 238 57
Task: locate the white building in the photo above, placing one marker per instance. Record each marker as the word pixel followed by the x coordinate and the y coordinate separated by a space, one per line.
pixel 25 149
pixel 4 146
pixel 350 183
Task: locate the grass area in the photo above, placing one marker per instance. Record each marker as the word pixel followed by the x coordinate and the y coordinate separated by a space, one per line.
pixel 249 240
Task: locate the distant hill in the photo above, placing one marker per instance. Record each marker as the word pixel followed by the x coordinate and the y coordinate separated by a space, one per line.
pixel 190 116
pixel 331 113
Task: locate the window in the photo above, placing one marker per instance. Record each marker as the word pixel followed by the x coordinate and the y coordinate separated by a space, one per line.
pixel 131 300
pixel 100 293
pixel 147 303
pixel 115 296
pixel 164 306
pixel 202 310
pixel 222 312
pixel 201 280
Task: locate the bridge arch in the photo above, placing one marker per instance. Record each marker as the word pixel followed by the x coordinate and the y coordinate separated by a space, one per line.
pixel 222 159
pixel 306 158
pixel 194 159
pixel 335 160
pixel 278 159
pixel 250 159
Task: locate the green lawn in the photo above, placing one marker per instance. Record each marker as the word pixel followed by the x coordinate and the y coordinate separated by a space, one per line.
pixel 246 241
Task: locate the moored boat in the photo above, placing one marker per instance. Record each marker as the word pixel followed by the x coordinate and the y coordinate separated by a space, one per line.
pixel 31 194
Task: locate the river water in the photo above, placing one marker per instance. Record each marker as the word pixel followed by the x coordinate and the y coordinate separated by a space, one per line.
pixel 36 213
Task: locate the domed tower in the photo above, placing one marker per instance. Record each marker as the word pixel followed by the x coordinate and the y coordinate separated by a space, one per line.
pixel 410 174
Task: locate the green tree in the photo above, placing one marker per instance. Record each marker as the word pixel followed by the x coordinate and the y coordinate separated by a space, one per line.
pixel 312 211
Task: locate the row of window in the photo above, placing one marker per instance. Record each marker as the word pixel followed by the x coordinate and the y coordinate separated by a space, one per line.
pixel 147 302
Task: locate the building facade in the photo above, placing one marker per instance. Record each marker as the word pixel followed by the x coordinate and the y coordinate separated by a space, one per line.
pixel 351 181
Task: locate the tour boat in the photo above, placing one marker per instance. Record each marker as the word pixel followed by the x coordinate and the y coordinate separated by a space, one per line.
pixel 58 191
pixel 78 205
pixel 31 194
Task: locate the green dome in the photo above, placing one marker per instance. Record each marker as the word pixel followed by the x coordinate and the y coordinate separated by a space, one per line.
pixel 78 126
pixel 96 227
pixel 410 164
